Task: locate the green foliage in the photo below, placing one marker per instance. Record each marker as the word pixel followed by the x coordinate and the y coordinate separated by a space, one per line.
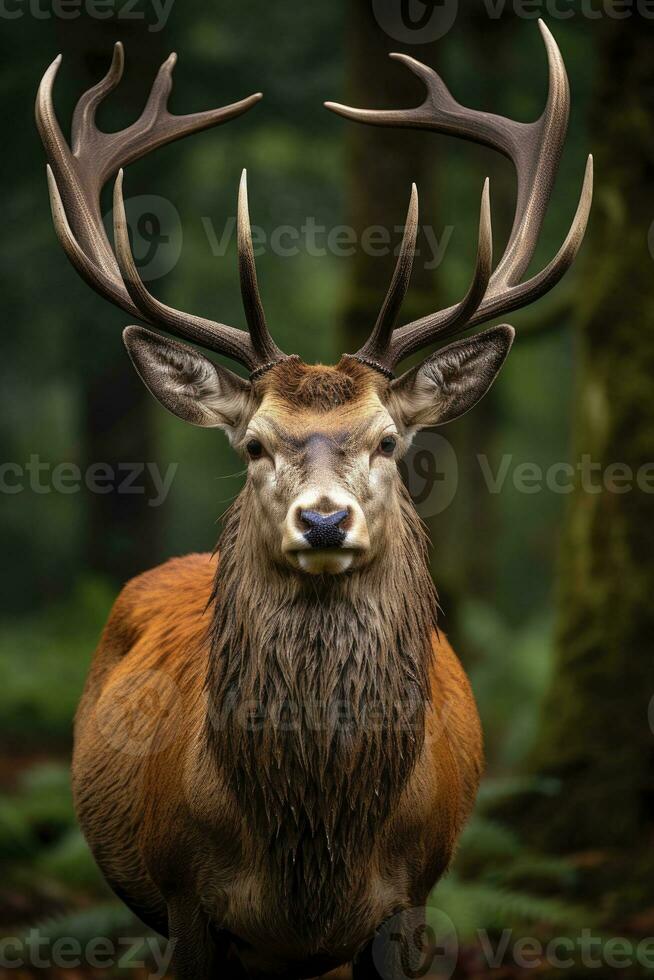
pixel 510 673
pixel 475 907
pixel 107 920
pixel 499 883
pixel 104 919
pixel 39 838
pixel 43 662
pixel 497 880
pixel 40 810
pixel 69 860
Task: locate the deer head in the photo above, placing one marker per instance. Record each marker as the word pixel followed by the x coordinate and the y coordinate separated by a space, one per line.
pixel 322 443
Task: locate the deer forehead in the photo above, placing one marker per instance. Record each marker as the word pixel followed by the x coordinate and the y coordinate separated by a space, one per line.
pixel 321 410
pixel 320 388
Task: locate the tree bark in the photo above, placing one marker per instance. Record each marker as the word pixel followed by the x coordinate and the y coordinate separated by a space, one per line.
pixel 597 740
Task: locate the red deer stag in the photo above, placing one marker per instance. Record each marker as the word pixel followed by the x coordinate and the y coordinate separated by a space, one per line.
pixel 309 747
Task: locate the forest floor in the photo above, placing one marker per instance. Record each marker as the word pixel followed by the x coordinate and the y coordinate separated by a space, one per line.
pixel 50 884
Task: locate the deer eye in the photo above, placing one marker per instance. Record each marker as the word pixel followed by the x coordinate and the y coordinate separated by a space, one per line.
pixel 254 449
pixel 387 445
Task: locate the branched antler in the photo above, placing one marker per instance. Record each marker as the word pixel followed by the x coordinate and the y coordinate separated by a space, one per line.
pixel 535 150
pixel 76 176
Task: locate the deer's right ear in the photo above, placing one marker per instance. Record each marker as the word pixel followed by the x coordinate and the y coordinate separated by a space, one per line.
pixel 188 384
pixel 450 382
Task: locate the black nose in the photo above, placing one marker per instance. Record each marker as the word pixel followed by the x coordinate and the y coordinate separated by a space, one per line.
pixel 323 530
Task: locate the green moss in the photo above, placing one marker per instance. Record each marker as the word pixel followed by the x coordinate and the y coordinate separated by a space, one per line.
pixel 595 737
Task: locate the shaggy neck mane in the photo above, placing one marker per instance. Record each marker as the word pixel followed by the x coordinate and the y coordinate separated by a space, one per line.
pixel 317 690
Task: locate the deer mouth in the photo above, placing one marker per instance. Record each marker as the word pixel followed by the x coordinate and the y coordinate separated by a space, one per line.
pixel 323 561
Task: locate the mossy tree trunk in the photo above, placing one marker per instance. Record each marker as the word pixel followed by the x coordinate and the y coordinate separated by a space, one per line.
pixel 597 739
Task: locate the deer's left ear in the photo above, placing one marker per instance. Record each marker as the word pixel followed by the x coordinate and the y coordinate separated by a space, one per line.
pixel 451 381
pixel 188 384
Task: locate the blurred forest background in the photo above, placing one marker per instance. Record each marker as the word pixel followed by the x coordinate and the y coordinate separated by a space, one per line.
pixel 547 596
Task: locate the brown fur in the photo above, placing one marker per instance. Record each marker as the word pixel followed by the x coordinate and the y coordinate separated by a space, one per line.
pixel 128 805
pixel 335 672
pixel 318 386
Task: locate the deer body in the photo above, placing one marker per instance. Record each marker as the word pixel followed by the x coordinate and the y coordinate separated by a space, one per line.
pixel 303 917
pixel 276 750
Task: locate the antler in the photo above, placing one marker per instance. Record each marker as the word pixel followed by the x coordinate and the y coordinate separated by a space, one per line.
pixel 535 150
pixel 76 177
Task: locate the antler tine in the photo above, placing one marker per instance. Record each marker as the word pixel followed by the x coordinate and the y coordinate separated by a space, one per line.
pixel 447 322
pixel 472 311
pixel 439 109
pixel 535 150
pixel 83 123
pixel 262 342
pixel 386 349
pixel 515 297
pixel 512 298
pixel 376 347
pixel 156 126
pixel 46 120
pixel 86 267
pixel 536 164
pixel 85 220
pixel 215 336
